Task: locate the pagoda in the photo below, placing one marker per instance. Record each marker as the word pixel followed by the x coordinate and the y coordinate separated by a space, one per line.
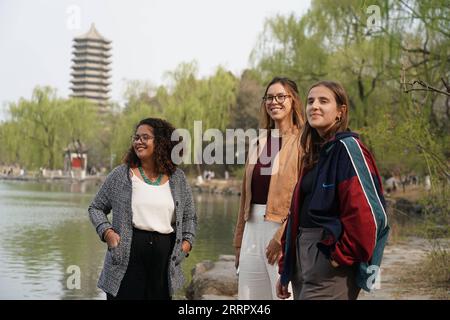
pixel 90 69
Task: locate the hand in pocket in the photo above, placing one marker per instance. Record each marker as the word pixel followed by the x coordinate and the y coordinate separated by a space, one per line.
pixel 112 238
pixel 115 255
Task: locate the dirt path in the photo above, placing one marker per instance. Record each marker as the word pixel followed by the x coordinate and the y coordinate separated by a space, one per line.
pixel 399 277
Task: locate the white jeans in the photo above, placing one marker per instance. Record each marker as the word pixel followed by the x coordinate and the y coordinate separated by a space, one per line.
pixel 257 278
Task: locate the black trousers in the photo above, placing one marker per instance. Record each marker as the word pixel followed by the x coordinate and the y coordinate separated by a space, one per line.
pixel 146 277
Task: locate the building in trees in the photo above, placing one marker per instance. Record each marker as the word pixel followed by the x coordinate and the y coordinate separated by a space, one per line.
pixel 90 69
pixel 75 160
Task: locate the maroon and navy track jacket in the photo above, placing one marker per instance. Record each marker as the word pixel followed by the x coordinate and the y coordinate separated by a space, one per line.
pixel 339 204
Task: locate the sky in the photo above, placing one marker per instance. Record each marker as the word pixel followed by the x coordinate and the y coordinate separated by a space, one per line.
pixel 149 38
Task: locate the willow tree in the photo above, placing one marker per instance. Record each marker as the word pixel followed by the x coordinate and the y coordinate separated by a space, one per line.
pixel 375 63
pixel 39 129
pixel 10 141
pixel 38 122
pixel 210 100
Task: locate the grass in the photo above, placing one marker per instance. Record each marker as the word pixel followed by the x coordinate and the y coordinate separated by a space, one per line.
pixel 432 276
pixel 436 270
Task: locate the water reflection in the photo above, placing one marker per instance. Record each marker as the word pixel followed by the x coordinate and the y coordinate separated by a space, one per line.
pixel 44 229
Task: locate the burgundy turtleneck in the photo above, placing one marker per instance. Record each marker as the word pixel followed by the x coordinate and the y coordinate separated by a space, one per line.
pixel 260 183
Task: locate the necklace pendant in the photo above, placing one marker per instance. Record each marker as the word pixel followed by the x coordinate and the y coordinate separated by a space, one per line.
pixel 147 180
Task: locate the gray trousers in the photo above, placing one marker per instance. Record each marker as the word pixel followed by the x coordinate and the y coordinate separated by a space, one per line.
pixel 314 277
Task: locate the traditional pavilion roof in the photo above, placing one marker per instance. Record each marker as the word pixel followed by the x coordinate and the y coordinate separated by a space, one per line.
pixel 76 146
pixel 92 34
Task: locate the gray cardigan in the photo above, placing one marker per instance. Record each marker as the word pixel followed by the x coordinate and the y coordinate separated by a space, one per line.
pixel 115 195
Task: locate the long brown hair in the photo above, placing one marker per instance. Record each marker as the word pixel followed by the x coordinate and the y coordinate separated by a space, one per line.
pixel 311 141
pixel 162 130
pixel 266 121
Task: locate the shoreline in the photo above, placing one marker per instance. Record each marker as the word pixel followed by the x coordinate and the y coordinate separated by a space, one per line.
pixel 52 179
pixel 230 186
pixel 217 186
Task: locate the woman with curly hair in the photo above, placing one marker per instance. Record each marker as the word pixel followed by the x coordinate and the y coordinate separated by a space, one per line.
pixel 154 219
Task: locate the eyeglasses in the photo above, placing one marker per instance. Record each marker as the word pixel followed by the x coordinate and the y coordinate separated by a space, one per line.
pixel 144 138
pixel 280 98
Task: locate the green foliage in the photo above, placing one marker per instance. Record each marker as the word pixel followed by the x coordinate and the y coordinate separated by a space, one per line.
pixel 407 131
pixel 41 128
pixel 285 49
pixel 248 102
pixel 210 100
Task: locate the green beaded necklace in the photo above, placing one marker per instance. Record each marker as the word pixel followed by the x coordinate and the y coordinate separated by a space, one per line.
pixel 147 180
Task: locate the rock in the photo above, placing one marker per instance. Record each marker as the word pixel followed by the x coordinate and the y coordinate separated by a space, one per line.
pixel 408 207
pixel 216 297
pixel 202 267
pixel 214 280
pixel 227 257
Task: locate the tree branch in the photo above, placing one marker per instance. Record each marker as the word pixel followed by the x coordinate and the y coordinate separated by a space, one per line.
pixel 445 84
pixel 424 87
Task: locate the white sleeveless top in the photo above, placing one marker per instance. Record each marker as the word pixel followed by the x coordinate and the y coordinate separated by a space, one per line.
pixel 152 206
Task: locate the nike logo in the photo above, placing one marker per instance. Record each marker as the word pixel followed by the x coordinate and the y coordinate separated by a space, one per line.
pixel 327 185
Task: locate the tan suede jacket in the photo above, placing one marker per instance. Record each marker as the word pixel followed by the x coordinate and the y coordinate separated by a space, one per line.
pixel 284 177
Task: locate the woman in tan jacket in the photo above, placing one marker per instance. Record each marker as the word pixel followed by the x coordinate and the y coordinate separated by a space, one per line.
pixel 271 173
